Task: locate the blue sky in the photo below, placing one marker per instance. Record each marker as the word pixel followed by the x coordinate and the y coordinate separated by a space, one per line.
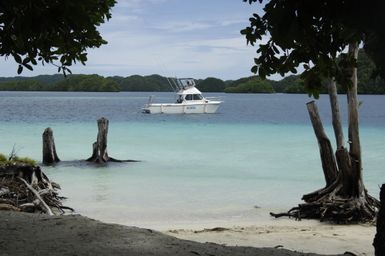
pixel 196 38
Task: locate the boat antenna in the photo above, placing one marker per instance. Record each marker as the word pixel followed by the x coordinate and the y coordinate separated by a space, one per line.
pixel 169 82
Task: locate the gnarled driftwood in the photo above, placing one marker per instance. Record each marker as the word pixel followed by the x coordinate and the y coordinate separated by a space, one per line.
pixel 25 187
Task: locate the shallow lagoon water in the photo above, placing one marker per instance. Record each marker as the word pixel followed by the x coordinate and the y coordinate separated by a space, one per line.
pixel 257 154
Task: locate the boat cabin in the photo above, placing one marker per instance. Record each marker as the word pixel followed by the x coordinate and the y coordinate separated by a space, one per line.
pixel 190 94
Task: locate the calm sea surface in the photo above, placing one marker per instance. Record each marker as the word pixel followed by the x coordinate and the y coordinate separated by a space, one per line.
pixel 257 154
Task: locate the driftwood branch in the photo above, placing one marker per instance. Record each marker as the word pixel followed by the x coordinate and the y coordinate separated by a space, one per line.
pixel 44 204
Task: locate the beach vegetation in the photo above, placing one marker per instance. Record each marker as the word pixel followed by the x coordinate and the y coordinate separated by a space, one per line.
pixel 13 159
pixel 322 38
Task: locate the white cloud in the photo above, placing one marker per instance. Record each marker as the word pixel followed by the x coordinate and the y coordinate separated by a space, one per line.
pixel 183 26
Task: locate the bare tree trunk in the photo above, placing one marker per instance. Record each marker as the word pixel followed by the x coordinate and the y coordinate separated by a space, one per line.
pixel 49 149
pixel 326 151
pixel 336 115
pixel 354 136
pixel 99 148
pixel 379 239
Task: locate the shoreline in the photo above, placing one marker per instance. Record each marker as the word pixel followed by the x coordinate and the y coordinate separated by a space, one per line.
pixel 258 229
pixel 36 234
pixel 306 236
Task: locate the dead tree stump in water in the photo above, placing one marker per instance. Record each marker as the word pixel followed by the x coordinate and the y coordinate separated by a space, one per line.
pixel 49 149
pixel 99 148
pixel 379 239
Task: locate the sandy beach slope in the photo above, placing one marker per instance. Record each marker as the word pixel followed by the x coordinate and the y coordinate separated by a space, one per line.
pixel 302 236
pixel 29 234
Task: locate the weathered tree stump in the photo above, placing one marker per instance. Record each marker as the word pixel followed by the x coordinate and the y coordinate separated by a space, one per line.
pixel 99 148
pixel 379 239
pixel 49 149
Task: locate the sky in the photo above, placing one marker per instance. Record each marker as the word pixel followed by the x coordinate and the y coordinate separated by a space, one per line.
pixel 196 38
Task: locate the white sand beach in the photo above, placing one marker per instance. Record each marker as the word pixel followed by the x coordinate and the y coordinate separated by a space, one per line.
pixel 302 236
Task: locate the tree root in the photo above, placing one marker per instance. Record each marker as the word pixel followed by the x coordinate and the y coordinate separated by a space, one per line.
pixel 26 188
pixel 334 209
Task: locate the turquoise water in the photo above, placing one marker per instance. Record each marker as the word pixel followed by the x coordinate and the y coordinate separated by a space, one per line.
pixel 259 150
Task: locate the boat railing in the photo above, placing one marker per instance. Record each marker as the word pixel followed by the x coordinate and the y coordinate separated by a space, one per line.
pixel 150 99
pixel 214 98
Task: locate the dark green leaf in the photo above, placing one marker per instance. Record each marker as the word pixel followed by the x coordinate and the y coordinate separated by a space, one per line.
pixel 28 66
pixel 17 58
pixel 20 69
pixel 254 69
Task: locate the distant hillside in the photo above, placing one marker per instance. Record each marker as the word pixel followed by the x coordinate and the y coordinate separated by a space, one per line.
pixel 157 83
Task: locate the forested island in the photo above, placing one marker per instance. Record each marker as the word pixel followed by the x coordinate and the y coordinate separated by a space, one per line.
pixel 253 84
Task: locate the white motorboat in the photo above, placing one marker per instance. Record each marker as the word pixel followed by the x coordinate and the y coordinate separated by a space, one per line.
pixel 189 100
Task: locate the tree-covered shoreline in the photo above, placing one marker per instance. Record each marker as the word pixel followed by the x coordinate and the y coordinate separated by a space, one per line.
pixel 158 83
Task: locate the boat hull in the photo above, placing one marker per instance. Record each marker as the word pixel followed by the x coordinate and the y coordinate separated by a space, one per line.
pixel 203 108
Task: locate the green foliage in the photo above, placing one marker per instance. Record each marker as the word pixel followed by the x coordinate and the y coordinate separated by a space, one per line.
pixel 4 160
pixel 282 85
pixel 368 81
pixel 312 34
pixel 211 84
pixel 154 83
pixel 57 32
pixel 93 83
pixel 289 84
pixel 252 85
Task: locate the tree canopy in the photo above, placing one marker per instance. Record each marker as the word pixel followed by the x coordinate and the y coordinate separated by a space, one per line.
pixel 312 34
pixel 56 32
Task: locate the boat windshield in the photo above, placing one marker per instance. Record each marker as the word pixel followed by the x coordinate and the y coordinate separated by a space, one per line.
pixel 186 82
pixel 193 97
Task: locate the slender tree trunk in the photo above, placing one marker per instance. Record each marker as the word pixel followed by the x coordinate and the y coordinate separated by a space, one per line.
pixel 326 151
pixel 354 136
pixel 49 149
pixel 336 115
